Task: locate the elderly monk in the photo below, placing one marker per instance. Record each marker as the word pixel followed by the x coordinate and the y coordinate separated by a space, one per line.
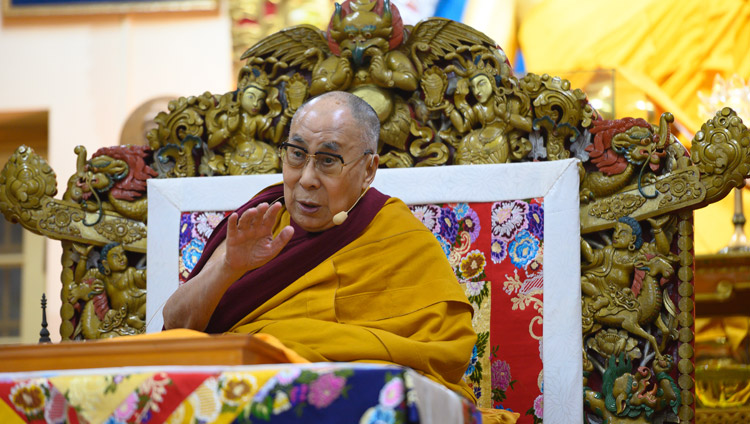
pixel 373 286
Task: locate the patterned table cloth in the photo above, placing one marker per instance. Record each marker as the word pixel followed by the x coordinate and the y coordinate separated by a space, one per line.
pixel 279 393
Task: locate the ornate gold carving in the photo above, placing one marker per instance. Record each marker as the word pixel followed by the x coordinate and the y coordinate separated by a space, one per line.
pixel 59 219
pixel 620 283
pixel 443 92
pixel 685 316
pixel 111 294
pixel 121 230
pixel 721 151
pixel 396 160
pixel 488 132
pixel 185 118
pixel 626 287
pixel 617 206
pixel 722 416
pixel 558 111
pixel 633 397
pixel 120 174
pixel 67 311
pixel 26 184
pixel 174 161
pixel 680 189
pixel 625 151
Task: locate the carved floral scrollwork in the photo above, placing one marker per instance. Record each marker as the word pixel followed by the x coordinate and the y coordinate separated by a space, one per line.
pixel 58 219
pixel 26 183
pixel 176 161
pixel 721 151
pixel 185 117
pixel 682 187
pixel 558 110
pixel 121 230
pixel 617 206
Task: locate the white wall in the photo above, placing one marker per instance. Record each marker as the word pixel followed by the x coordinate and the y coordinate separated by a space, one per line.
pixel 92 72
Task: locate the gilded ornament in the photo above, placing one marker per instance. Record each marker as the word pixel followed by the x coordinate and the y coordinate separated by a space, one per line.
pixel 621 282
pixel 121 230
pixel 112 294
pixel 396 159
pixel 26 184
pixel 434 83
pixel 430 153
pixel 114 179
pixel 634 397
pixel 173 161
pixel 617 206
pixel 58 219
pixel 612 342
pixel 491 119
pixel 625 151
pixel 367 52
pixel 185 118
pixel 721 151
pixel 681 187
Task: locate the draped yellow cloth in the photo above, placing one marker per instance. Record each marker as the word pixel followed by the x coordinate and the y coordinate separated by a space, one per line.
pixel 388 297
pixel 670 49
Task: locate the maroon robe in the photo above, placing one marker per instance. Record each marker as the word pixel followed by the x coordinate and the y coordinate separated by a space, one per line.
pixel 304 252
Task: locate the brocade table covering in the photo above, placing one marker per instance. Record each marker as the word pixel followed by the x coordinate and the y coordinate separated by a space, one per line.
pixel 279 393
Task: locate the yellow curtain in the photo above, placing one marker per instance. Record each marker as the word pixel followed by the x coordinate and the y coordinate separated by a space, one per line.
pixel 669 49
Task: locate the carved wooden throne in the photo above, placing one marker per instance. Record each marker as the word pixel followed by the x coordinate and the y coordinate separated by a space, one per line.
pixel 445 95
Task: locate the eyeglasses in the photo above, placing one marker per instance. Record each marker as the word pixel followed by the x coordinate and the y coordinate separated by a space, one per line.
pixel 327 163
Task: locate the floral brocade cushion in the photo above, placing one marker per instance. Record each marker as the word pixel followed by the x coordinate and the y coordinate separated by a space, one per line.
pixel 496 250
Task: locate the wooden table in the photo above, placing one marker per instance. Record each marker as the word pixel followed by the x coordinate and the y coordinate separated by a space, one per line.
pixel 227 349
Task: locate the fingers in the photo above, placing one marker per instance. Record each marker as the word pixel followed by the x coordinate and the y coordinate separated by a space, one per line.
pixel 248 218
pixel 281 240
pixel 232 225
pixel 269 217
pixel 259 220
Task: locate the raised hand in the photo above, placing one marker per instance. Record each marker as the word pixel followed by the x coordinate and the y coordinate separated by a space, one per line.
pixel 250 242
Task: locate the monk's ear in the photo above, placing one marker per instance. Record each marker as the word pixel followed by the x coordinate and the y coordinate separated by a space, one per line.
pixel 372 167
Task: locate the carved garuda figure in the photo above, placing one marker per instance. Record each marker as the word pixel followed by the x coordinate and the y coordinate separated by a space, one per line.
pixel 443 91
pixel 445 94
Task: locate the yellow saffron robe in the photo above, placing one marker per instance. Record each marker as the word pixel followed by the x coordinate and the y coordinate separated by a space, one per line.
pixel 390 296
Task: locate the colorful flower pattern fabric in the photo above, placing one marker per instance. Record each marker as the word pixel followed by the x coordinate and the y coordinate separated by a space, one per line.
pixel 195 228
pixel 366 394
pixel 496 250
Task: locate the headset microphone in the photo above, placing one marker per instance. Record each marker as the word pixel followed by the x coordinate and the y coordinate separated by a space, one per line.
pixel 340 217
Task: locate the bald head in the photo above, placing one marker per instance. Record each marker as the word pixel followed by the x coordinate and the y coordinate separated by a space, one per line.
pixel 363 115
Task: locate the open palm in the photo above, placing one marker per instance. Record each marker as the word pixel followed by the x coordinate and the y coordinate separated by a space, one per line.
pixel 250 242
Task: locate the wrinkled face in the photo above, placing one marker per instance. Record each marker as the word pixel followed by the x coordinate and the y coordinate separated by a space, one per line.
pixel 481 88
pixel 252 100
pixel 311 197
pixel 116 259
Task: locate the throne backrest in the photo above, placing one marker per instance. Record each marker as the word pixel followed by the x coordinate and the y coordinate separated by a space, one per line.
pixel 508 241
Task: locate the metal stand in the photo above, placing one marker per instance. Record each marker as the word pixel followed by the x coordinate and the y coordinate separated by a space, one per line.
pixel 44 334
pixel 738 242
